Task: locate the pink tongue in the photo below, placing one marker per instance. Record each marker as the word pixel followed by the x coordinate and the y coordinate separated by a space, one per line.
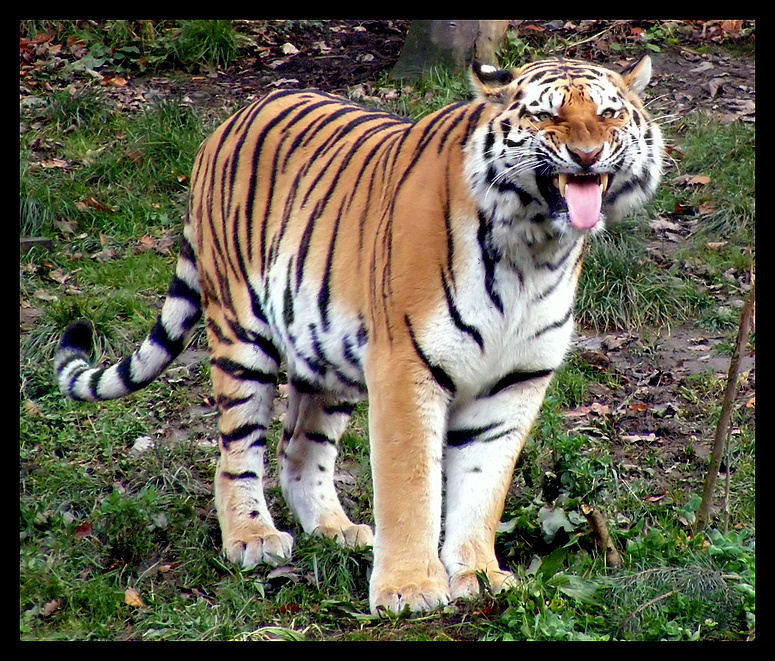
pixel 583 201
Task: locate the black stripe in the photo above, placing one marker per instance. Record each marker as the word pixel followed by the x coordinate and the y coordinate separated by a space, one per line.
pixel 225 402
pixel 242 432
pixel 514 378
pixel 454 313
pixel 94 383
pixel 508 186
pixel 252 183
pixel 255 305
pixel 473 122
pixel 186 250
pixel 323 170
pixel 160 337
pixel 73 378
pixel 242 373
pixel 553 266
pixel 489 141
pixel 438 373
pixel 72 357
pixel 306 238
pixel 287 297
pixel 304 386
pixel 489 261
pixel 349 354
pixel 246 475
pixel 216 330
pixel 324 294
pixel 453 123
pixel 123 369
pixel 557 324
pixel 362 336
pixel 77 337
pixel 448 230
pixel 457 437
pixel 340 407
pixel 317 437
pixel 249 337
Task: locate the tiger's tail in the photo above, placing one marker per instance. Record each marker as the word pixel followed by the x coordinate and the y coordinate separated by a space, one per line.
pixel 181 310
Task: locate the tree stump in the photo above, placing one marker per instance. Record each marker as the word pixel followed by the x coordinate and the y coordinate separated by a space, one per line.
pixel 450 44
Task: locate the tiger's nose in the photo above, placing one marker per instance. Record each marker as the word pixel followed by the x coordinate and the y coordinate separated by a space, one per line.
pixel 585 157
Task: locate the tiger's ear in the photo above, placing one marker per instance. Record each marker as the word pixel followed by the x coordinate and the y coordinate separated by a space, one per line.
pixel 489 82
pixel 637 75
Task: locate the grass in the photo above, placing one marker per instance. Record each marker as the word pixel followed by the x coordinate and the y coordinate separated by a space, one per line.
pixel 99 519
pixel 142 45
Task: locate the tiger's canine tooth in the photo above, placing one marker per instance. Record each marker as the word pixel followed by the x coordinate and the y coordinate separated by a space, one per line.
pixel 562 182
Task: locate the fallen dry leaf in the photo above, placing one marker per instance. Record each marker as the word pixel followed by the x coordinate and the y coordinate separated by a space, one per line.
pixel 29 316
pixel 699 180
pixel 662 225
pixel 83 530
pixel 114 81
pixel 65 226
pixel 132 598
pixel 581 411
pixel 45 296
pixel 57 275
pixel 32 408
pixel 635 438
pixel 53 163
pixel 50 607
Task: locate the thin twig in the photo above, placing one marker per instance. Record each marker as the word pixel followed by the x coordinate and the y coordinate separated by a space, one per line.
pixel 727 406
pixel 643 606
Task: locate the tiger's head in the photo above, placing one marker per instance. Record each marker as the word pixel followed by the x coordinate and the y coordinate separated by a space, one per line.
pixel 567 145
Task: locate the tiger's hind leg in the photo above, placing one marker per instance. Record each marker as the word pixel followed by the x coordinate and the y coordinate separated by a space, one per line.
pixel 244 373
pixel 484 440
pixel 307 452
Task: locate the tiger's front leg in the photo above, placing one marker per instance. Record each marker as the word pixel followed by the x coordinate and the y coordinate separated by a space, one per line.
pixel 484 440
pixel 407 414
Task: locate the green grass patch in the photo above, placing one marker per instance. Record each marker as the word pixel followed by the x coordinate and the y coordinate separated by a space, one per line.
pixel 141 45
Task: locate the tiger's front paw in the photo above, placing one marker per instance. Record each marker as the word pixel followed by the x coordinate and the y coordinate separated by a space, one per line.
pixel 249 548
pixel 416 592
pixel 467 584
pixel 352 536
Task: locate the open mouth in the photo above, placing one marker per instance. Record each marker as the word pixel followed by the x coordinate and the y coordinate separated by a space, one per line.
pixel 583 194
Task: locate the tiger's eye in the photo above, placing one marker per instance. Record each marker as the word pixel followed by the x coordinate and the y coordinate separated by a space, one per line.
pixel 608 113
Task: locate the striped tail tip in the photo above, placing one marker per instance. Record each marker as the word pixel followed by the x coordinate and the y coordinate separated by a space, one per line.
pixel 72 356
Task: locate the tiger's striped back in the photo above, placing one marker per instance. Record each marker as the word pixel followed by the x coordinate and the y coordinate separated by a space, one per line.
pixel 297 213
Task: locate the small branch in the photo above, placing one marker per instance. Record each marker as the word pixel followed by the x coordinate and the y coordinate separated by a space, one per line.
pixel 644 606
pixel 722 429
pixel 27 242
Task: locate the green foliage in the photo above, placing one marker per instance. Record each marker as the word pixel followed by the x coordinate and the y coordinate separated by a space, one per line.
pixel 144 45
pixel 210 41
pixel 621 288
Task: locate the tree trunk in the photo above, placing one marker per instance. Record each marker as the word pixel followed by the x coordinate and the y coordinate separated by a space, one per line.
pixel 450 44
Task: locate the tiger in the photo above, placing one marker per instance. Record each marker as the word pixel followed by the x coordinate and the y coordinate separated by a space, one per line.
pixel 429 267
